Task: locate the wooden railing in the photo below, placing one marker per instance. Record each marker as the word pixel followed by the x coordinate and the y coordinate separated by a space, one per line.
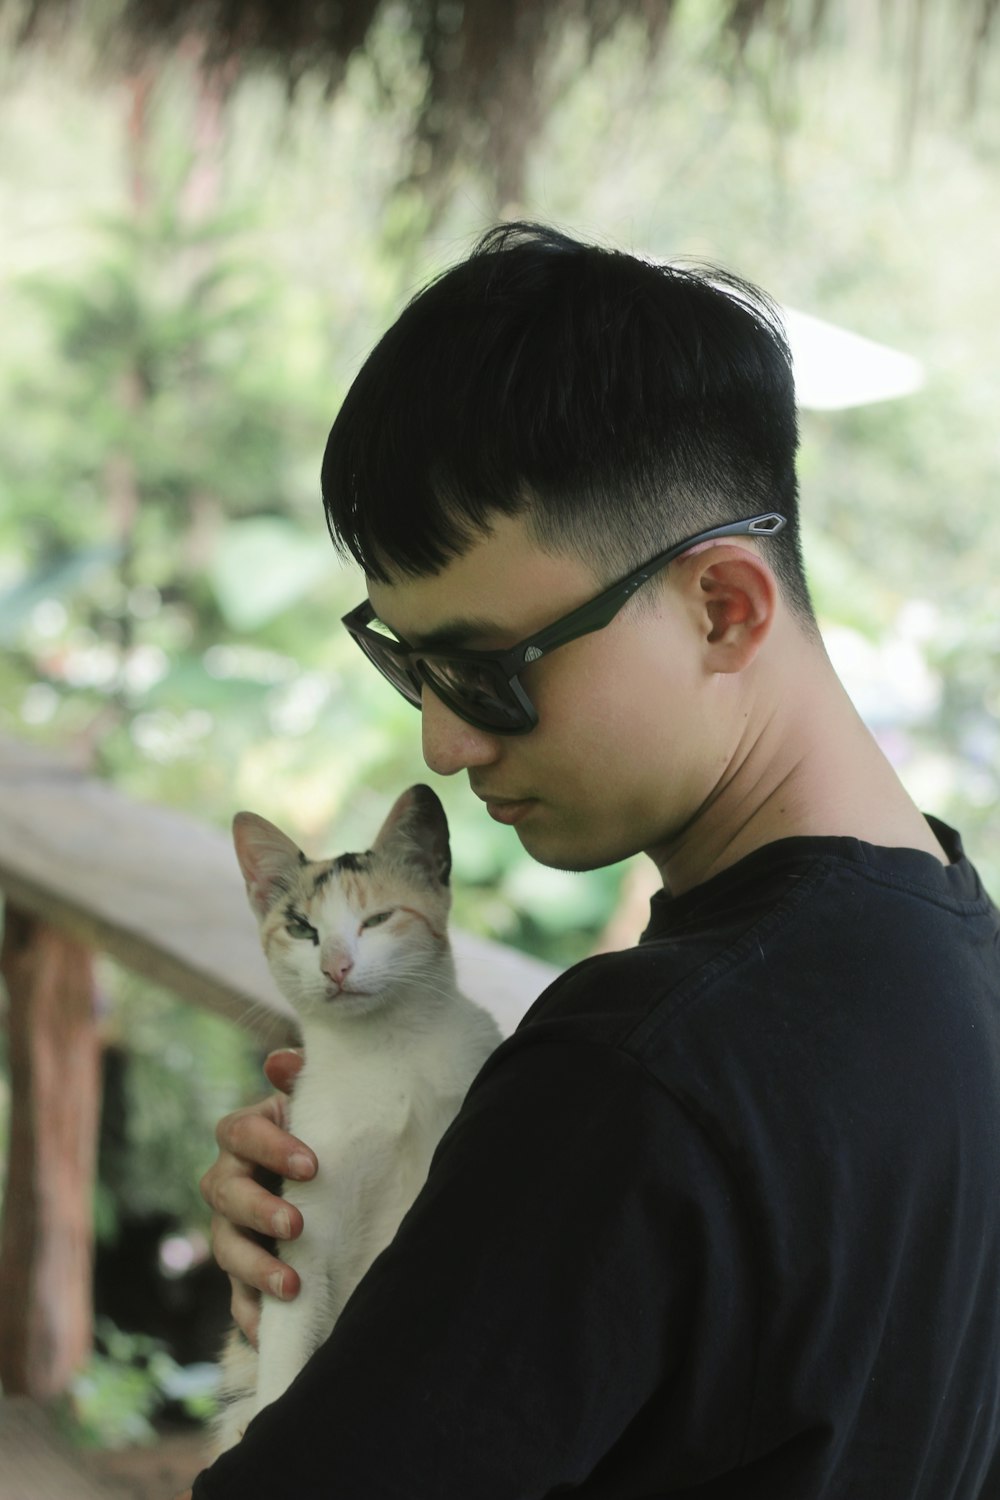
pixel 85 869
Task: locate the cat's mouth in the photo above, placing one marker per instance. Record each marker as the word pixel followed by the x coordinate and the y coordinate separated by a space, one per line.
pixel 337 992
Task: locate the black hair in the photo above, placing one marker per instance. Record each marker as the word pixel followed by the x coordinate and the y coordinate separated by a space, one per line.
pixel 619 404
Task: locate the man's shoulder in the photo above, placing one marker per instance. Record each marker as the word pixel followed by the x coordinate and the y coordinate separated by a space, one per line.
pixel 816 933
pixel 607 995
pixel 691 943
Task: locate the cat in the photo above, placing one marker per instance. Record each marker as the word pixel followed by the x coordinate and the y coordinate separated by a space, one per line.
pixel 359 946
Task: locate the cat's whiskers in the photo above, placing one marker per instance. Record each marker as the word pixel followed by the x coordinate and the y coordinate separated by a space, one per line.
pixel 416 974
pixel 260 1010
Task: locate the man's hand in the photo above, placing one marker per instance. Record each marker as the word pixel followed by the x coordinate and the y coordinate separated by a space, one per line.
pixel 243 1208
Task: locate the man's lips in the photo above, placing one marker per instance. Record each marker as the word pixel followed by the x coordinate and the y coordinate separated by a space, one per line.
pixel 507 809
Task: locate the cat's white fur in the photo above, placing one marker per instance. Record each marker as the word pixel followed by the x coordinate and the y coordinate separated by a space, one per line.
pixel 391 1046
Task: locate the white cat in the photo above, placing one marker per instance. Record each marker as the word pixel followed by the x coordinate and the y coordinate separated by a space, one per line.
pixel 359 946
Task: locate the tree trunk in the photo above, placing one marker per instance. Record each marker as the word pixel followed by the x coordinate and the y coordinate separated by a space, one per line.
pixel 46 1241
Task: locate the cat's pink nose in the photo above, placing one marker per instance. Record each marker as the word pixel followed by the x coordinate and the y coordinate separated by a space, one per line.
pixel 338 969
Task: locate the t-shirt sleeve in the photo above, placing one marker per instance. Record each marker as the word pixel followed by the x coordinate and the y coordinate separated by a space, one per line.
pixel 572 1260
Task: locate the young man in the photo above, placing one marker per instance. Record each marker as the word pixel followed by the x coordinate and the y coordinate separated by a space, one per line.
pixel 721 1219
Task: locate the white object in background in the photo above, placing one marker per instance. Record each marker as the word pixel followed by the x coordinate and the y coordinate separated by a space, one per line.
pixel 836 369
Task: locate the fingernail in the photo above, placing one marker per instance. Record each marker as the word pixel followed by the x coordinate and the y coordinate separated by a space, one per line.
pixel 281 1224
pixel 277 1284
pixel 299 1165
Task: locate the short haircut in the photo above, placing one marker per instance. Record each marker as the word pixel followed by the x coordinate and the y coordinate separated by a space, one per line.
pixel 618 404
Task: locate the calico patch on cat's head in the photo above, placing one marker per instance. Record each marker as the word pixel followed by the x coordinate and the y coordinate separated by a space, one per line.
pixel 351 934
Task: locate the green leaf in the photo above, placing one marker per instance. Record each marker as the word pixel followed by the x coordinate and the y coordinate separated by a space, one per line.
pixel 264 566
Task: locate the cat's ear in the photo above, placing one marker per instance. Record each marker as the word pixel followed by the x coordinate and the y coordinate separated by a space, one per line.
pixel 417 829
pixel 267 857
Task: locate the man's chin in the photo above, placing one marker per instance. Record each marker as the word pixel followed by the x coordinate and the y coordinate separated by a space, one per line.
pixel 575 856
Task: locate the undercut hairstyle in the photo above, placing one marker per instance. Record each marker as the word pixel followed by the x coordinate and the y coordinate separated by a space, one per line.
pixel 618 404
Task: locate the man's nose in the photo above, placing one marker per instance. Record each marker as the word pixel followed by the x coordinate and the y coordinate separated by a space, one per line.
pixel 449 743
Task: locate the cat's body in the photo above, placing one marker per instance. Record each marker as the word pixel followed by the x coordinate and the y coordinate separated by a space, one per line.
pixel 359 947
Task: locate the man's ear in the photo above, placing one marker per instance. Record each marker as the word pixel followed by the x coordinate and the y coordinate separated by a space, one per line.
pixel 736 597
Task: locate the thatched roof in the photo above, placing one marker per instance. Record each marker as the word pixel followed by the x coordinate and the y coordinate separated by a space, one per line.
pixel 484 59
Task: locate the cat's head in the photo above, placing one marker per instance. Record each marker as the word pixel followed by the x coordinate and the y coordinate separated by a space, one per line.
pixel 350 935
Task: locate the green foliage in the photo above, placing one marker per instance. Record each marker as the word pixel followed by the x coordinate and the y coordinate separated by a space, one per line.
pixel 112 1402
pixel 262 567
pixel 183 1070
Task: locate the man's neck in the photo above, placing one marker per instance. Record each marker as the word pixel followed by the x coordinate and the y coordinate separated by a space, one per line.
pixel 808 766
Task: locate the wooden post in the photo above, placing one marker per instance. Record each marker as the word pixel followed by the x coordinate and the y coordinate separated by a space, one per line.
pixel 46 1241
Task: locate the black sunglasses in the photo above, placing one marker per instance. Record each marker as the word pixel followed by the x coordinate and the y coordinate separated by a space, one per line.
pixel 482 687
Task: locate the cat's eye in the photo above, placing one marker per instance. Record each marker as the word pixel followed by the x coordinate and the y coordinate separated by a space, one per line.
pixel 298 927
pixel 377 919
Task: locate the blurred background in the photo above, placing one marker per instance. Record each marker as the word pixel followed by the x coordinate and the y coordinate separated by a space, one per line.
pixel 208 214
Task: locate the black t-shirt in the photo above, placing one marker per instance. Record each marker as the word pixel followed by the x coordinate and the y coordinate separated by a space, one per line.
pixel 721 1219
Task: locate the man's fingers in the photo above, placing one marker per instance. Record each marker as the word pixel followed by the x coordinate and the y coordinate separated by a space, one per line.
pixel 246 1261
pixel 254 1136
pixel 281 1068
pixel 245 1308
pixel 251 1142
pixel 243 1201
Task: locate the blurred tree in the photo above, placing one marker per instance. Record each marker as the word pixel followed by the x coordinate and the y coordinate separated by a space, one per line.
pixel 158 432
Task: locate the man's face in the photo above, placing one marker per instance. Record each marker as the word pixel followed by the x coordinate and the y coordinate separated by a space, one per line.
pixel 628 744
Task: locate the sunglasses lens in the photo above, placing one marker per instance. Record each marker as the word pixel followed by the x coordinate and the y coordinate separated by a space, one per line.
pixel 476 694
pixel 391 667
